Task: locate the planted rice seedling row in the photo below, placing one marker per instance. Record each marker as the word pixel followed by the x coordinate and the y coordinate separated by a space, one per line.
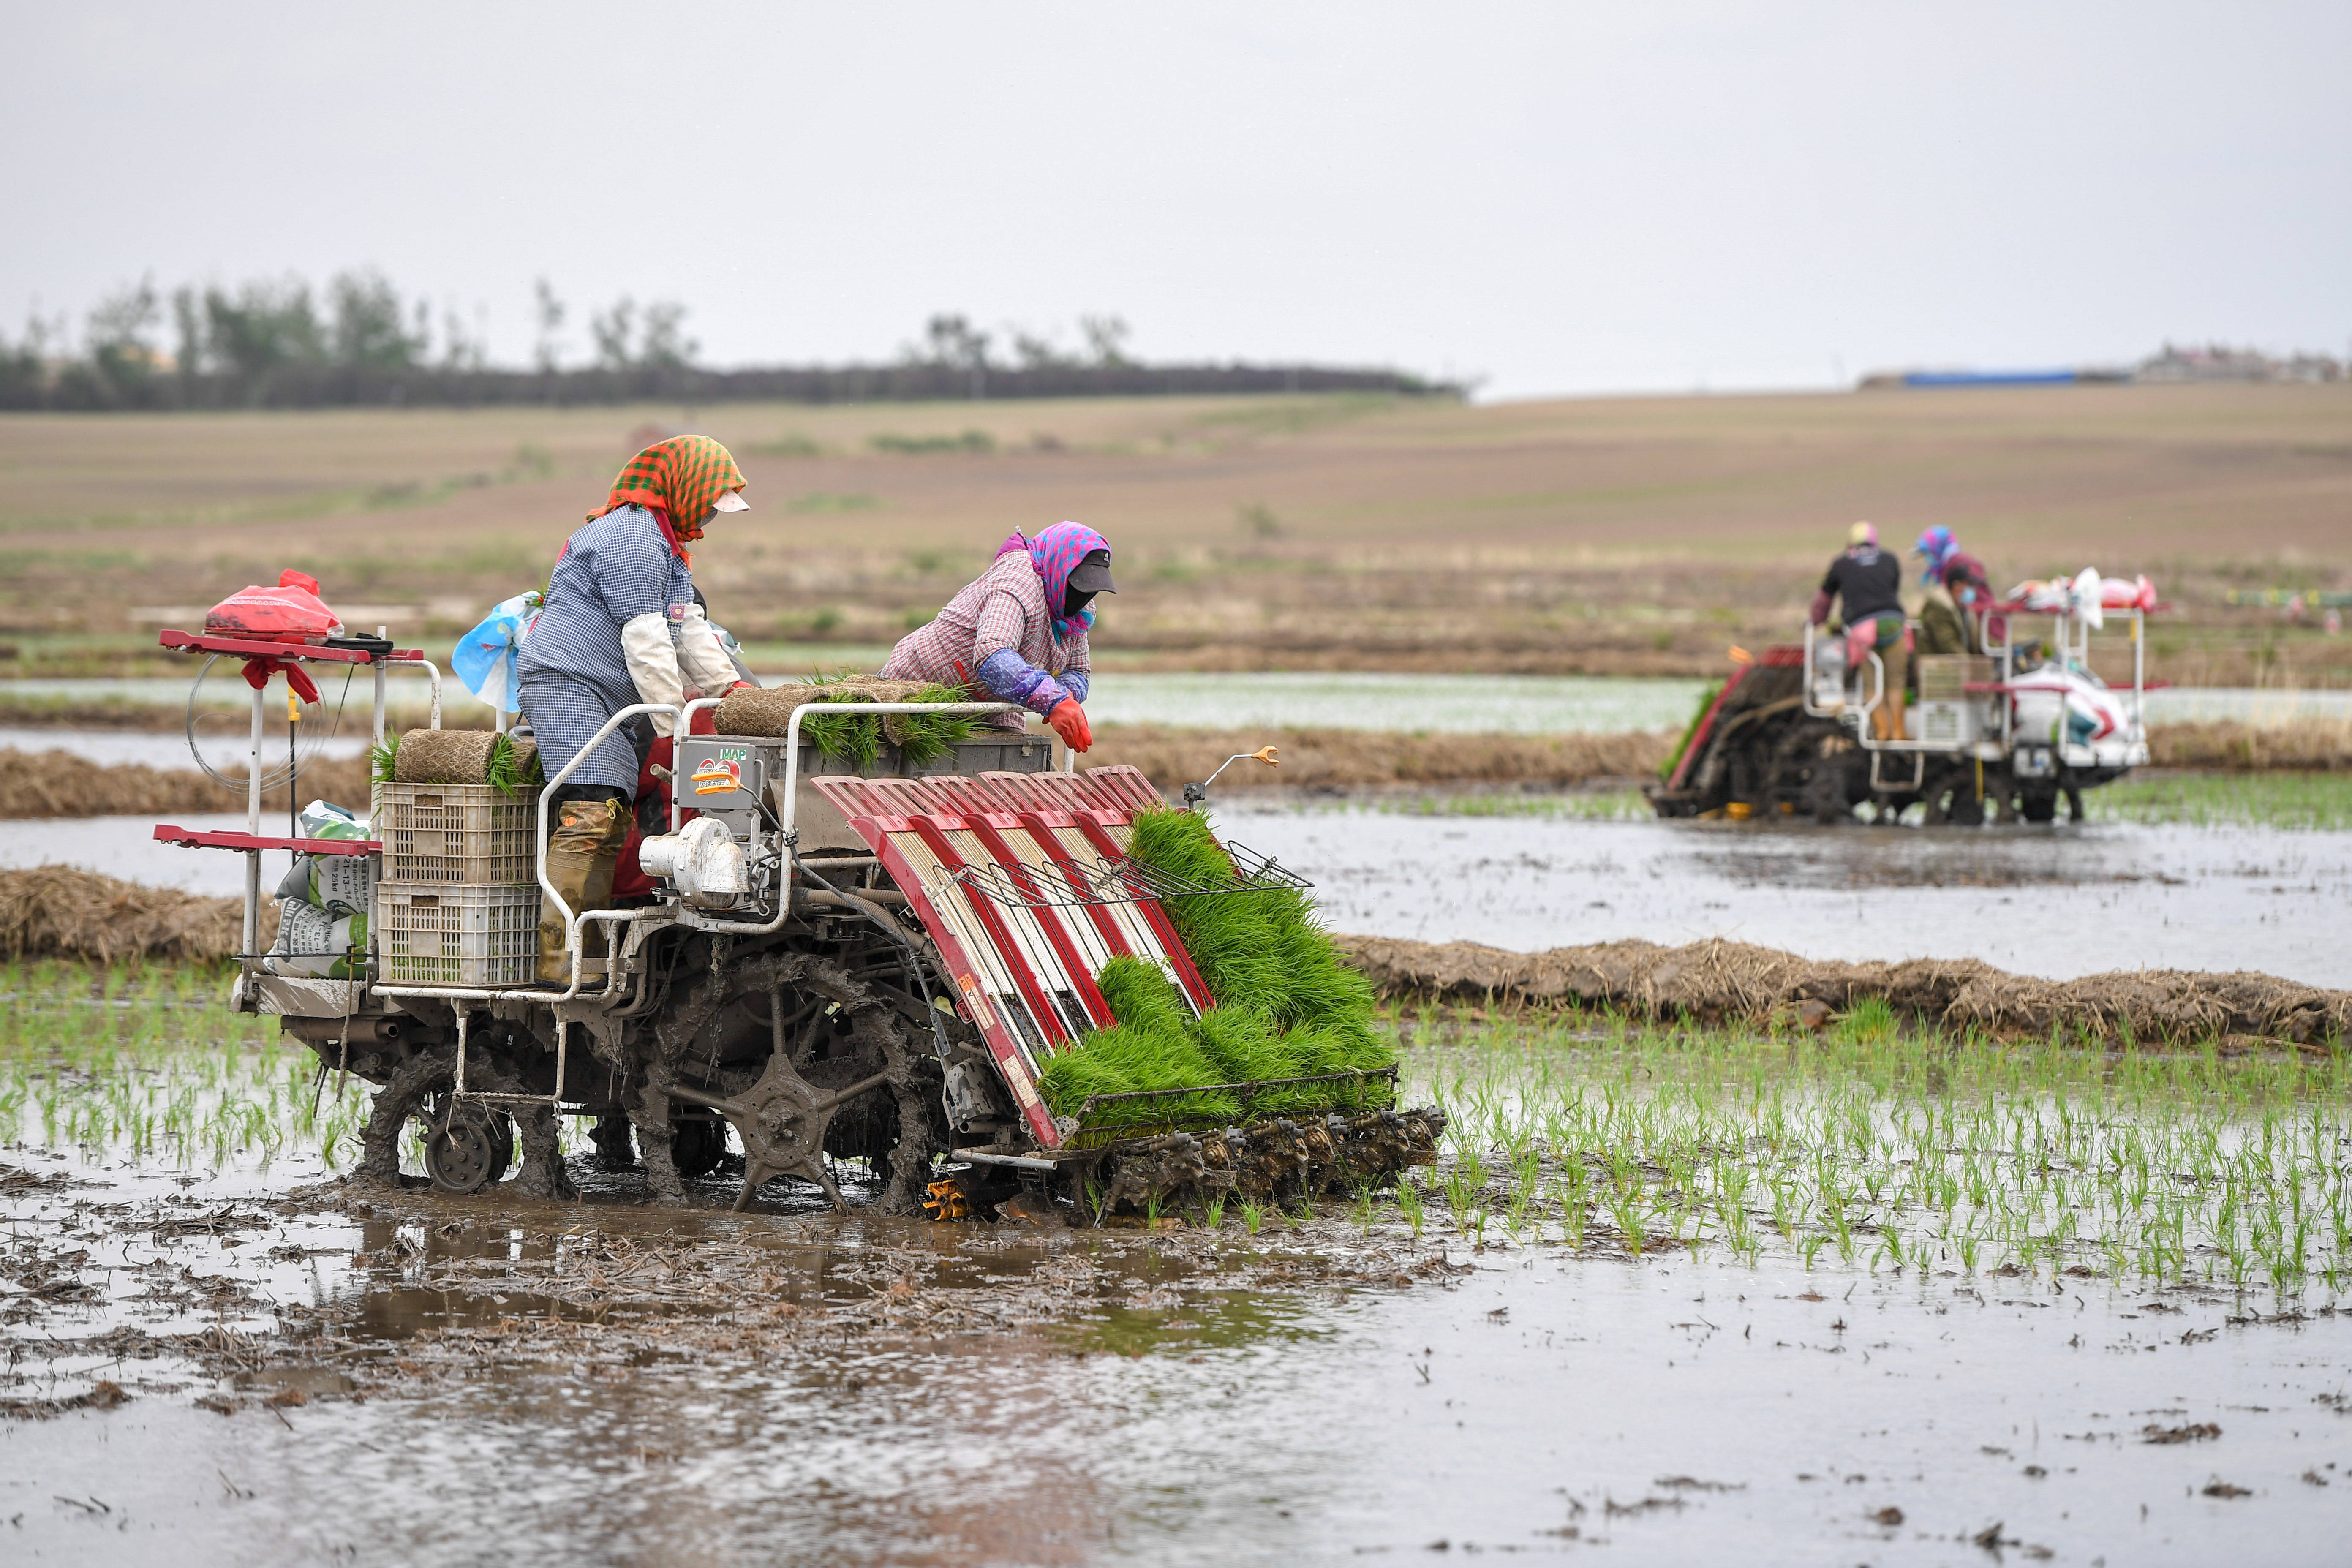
pixel 1882 1150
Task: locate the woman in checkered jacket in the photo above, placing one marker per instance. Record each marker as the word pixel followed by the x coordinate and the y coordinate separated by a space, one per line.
pixel 1018 631
pixel 622 625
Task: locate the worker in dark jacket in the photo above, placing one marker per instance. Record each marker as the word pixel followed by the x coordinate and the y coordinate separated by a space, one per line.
pixel 1866 584
pixel 1957 589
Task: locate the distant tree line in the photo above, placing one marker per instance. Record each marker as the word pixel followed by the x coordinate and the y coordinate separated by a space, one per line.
pixel 278 344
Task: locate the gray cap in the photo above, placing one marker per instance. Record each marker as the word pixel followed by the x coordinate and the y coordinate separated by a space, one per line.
pixel 1092 575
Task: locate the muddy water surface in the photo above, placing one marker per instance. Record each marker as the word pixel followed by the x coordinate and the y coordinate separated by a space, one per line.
pixel 459 1381
pixel 2057 901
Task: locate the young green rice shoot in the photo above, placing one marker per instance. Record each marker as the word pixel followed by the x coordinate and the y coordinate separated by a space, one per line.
pixel 1876 1146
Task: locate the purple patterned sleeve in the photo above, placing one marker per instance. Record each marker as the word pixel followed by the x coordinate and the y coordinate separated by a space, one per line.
pixel 1012 678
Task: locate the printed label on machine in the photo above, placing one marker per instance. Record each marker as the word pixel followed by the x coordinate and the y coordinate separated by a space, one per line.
pixel 721 774
pixel 1016 1073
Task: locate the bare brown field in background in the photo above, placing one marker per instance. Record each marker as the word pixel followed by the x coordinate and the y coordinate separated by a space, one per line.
pixel 1595 535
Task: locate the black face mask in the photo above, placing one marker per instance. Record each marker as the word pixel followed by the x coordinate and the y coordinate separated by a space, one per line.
pixel 1095 570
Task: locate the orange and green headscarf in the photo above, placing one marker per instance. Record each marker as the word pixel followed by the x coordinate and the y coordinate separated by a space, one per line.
pixel 680 479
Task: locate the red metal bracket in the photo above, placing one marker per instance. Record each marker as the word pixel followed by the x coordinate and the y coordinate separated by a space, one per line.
pixel 194 838
pixel 247 647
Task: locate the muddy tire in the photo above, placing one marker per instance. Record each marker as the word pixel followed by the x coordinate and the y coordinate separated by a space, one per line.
pixel 1952 800
pixel 616 1143
pixel 2038 805
pixel 697 1147
pixel 1824 797
pixel 467 1148
pixel 1811 771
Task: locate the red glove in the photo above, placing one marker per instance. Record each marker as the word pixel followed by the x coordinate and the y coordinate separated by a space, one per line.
pixel 1069 722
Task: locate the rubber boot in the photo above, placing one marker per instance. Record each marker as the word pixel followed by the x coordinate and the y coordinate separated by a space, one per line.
pixel 582 854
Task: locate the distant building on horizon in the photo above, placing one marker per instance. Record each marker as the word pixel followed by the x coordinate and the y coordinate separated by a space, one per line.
pixel 2171 365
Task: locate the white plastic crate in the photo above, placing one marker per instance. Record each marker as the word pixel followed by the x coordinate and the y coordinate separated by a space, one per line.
pixel 438 934
pixel 463 834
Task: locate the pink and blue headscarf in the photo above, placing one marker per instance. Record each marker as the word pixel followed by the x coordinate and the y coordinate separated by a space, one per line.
pixel 1936 546
pixel 1055 553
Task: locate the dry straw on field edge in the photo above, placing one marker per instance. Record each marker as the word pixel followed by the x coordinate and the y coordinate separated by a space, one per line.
pixel 1730 982
pixel 57 911
pixel 2319 745
pixel 57 783
pixel 1312 758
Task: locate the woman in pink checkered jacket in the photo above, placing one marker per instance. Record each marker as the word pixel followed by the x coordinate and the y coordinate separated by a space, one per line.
pixel 1018 631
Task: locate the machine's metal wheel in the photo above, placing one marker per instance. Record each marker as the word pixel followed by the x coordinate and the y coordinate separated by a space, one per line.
pixel 697 1146
pixel 2038 805
pixel 469 1148
pixel 616 1149
pixel 1952 799
pixel 782 1122
pixel 1825 796
pixel 1811 763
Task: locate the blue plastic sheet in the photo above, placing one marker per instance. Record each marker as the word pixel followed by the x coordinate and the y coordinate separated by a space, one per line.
pixel 486 659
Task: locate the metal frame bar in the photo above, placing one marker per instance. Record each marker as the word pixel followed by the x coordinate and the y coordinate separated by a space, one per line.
pixel 1051 1027
pixel 1043 831
pixel 1049 921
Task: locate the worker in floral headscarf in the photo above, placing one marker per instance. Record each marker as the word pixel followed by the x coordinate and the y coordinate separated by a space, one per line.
pixel 621 626
pixel 1017 632
pixel 1958 588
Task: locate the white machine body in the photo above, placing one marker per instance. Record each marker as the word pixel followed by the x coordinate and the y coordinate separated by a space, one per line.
pixel 702 860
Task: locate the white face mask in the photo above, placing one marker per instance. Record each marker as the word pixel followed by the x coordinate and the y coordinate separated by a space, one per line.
pixel 733 501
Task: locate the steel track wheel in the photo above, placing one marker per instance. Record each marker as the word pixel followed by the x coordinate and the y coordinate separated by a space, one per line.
pixel 782 1121
pixel 1951 796
pixel 468 1147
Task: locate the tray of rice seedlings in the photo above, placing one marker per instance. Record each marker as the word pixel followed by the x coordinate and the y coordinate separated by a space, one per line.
pixel 1291 1031
pixel 459 757
pixel 919 740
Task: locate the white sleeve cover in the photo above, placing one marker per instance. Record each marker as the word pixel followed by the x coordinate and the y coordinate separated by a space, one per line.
pixel 703 663
pixel 653 664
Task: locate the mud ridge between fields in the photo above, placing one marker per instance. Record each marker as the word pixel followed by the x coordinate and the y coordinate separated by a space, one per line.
pixel 1731 982
pixel 57 783
pixel 55 912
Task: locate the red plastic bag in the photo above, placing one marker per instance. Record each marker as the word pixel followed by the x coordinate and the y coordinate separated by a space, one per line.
pixel 291 612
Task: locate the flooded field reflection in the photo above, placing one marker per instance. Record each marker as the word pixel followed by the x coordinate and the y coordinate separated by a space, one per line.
pixel 2057 902
pixel 1693 1297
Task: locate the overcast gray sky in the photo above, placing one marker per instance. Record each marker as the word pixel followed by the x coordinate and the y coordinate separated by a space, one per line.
pixel 1555 197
